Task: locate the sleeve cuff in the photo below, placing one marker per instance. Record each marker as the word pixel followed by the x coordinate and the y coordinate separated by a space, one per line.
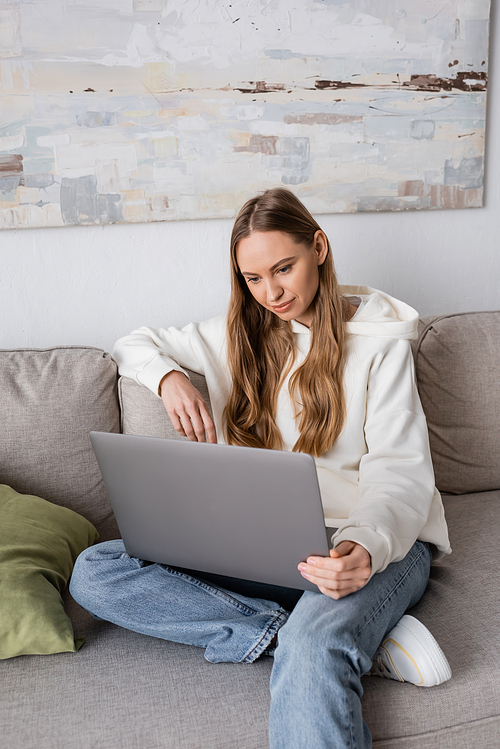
pixel 154 372
pixel 373 542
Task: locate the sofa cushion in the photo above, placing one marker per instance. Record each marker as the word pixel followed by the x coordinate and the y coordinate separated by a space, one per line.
pixel 39 544
pixel 51 399
pixel 142 412
pixel 457 361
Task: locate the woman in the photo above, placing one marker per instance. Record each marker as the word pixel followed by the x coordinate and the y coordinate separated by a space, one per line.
pixel 298 364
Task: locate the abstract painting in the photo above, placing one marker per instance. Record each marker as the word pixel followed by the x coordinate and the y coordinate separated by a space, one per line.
pixel 152 110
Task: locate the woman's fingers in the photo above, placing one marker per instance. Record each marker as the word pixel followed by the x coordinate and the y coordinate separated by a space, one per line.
pixel 208 423
pixel 199 424
pixel 342 573
pixel 193 424
pixel 337 594
pixel 340 577
pixel 332 575
pixel 338 588
pixel 176 423
pixel 334 583
pixel 187 423
pixel 186 408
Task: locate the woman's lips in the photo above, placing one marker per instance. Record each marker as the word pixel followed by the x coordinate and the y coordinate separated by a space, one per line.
pixel 283 307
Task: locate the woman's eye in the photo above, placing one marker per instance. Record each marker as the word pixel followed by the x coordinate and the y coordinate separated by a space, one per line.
pixel 285 269
pixel 252 280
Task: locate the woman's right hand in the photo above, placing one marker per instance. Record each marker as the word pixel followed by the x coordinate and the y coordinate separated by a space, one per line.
pixel 186 408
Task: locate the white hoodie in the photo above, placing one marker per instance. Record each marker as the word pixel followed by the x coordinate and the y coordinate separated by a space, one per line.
pixel 377 481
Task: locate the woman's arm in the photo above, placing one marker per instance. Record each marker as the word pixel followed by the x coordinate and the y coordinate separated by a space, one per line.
pixel 156 358
pixel 396 477
pixel 396 481
pixel 148 354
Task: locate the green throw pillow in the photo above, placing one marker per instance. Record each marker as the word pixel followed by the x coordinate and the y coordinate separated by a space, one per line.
pixel 39 543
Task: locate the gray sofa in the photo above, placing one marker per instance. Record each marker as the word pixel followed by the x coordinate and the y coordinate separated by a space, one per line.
pixel 127 691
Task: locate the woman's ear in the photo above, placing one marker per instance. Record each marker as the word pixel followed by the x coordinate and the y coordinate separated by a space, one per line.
pixel 320 246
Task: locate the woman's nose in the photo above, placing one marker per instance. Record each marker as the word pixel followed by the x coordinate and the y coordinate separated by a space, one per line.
pixel 274 291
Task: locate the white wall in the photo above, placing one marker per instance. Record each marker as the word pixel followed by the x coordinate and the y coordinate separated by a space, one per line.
pixel 90 285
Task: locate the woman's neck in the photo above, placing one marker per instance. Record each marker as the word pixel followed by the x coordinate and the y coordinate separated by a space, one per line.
pixel 351 311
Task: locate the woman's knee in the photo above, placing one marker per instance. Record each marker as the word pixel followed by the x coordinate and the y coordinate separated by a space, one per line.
pixel 320 646
pixel 91 570
pixel 312 628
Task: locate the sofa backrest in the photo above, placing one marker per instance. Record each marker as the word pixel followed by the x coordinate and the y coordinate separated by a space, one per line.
pixel 457 361
pixel 50 400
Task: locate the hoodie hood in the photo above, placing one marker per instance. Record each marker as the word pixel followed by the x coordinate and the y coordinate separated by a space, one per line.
pixel 381 316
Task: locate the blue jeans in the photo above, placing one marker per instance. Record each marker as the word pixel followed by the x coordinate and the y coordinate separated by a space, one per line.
pixel 324 646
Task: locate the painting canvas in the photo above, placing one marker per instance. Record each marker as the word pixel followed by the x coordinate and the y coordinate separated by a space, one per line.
pixel 152 110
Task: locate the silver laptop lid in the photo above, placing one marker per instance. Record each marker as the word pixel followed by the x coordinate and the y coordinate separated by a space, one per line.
pixel 237 511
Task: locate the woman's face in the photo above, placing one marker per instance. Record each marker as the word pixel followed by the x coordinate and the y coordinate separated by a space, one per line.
pixel 282 275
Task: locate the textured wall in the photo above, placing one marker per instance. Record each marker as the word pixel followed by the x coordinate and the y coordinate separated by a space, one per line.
pixel 89 285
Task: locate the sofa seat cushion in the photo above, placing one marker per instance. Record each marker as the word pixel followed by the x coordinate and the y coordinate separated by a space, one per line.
pixel 135 691
pixel 39 544
pixel 457 360
pixel 51 399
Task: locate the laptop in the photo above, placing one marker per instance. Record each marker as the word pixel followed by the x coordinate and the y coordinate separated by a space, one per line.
pixel 236 511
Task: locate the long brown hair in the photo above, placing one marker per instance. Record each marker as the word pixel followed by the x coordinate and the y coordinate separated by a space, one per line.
pixel 261 347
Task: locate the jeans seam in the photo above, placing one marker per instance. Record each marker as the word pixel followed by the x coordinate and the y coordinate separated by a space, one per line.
pixel 393 589
pixel 271 629
pixel 347 708
pixel 215 591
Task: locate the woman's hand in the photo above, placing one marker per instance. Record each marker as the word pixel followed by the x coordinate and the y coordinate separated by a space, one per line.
pixel 186 408
pixel 346 570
